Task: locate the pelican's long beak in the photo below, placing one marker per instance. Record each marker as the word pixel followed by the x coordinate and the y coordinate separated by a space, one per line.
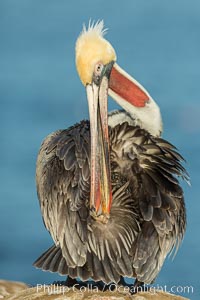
pixel 100 190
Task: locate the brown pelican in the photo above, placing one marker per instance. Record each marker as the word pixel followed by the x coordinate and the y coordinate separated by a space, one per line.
pixel 108 188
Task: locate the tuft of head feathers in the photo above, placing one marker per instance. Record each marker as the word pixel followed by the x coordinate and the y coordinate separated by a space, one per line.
pixel 92 48
pixel 94 28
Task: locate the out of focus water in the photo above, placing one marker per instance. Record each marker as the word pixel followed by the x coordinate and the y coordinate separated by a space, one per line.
pixel 158 42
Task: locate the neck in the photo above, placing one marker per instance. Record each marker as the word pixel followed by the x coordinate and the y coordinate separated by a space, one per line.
pixel 146 114
pixel 148 117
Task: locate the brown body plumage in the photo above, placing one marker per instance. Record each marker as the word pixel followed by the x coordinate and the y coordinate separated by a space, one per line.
pixel 147 218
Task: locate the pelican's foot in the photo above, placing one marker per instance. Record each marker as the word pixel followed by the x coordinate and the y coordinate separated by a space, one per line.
pixel 135 288
pixel 68 282
pixel 139 286
pixel 105 287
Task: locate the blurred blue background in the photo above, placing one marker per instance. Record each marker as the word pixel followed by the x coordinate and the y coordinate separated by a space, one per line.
pixel 157 42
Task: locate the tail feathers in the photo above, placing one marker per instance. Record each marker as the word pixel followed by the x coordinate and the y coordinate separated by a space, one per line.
pixel 52 260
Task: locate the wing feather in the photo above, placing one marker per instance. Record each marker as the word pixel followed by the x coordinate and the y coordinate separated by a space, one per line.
pixel 153 166
pixel 63 190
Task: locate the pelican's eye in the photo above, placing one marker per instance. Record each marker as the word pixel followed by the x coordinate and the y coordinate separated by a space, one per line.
pixel 98 73
pixel 98 69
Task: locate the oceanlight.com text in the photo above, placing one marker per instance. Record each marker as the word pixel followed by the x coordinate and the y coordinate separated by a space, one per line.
pixel 92 288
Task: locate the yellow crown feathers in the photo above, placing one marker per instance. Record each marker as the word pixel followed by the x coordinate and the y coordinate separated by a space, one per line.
pixel 91 48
